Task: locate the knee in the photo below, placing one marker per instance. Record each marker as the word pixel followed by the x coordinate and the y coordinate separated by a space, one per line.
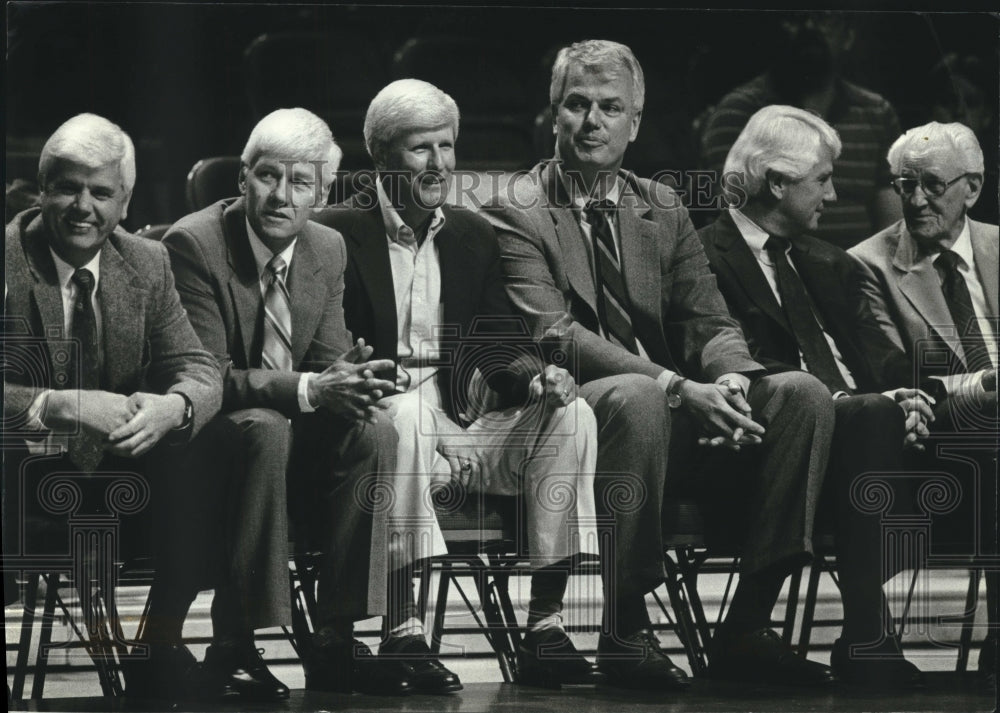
pixel 633 399
pixel 261 425
pixel 879 414
pixel 800 390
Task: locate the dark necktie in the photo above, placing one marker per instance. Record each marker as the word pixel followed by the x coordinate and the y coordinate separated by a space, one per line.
pixel 85 449
pixel 956 294
pixel 277 351
pixel 612 299
pixel 795 301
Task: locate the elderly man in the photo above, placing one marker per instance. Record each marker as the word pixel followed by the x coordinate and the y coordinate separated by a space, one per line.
pixel 439 265
pixel 120 371
pixel 262 286
pixel 612 264
pixel 935 292
pixel 798 301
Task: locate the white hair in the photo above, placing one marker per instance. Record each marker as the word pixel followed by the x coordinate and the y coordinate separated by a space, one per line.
pixel 294 135
pixel 92 141
pixel 404 106
pixel 782 139
pixel 922 140
pixel 595 55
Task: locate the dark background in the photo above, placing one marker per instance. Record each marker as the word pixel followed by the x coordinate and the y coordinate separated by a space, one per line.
pixel 176 76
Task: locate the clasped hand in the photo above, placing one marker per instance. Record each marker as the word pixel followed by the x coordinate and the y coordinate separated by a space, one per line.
pixel 916 404
pixel 348 387
pixel 723 414
pixel 555 385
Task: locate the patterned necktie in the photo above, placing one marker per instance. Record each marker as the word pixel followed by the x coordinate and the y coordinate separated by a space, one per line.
pixel 816 351
pixel 85 449
pixel 612 299
pixel 277 352
pixel 956 294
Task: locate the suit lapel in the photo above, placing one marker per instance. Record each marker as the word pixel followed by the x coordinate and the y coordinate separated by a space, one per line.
pixel 984 247
pixel 454 255
pixel 48 297
pixel 638 238
pixel 920 284
pixel 576 259
pixel 304 288
pixel 244 283
pixel 369 251
pixel 735 252
pixel 121 300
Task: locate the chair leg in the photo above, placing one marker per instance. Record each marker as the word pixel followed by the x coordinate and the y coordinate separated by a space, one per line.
pixel 791 607
pixel 686 630
pixel 45 638
pixel 968 619
pixel 27 629
pixel 809 609
pixel 689 577
pixel 437 628
pixel 509 634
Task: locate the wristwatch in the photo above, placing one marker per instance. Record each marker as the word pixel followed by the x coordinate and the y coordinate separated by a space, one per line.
pixel 674 391
pixel 188 414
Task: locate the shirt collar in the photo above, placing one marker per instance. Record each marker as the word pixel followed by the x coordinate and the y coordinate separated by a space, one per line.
pixel 754 235
pixel 65 271
pixel 262 254
pixel 395 228
pixel 579 199
pixel 963 245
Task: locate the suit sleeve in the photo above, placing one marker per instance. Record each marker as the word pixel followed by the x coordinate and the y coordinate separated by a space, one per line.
pixel 332 337
pixel 178 363
pixel 527 270
pixel 201 293
pixel 870 285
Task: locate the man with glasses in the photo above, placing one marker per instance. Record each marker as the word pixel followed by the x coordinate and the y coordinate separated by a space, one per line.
pixel 935 293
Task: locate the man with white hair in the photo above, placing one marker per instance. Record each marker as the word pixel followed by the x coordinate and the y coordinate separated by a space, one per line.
pixel 799 305
pixel 263 288
pixel 116 369
pixel 439 266
pixel 935 292
pixel 611 263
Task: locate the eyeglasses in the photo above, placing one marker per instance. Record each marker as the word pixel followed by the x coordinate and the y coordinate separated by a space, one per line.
pixel 931 186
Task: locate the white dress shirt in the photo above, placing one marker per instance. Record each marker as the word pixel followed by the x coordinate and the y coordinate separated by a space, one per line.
pixel 755 238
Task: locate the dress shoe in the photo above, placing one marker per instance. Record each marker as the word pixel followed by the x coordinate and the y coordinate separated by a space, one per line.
pixel 881 666
pixel 761 656
pixel 638 662
pixel 547 658
pixel 238 671
pixel 412 656
pixel 987 665
pixel 351 666
pixel 166 672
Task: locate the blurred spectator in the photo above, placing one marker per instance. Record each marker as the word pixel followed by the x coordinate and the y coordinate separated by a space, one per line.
pixel 806 72
pixel 19 195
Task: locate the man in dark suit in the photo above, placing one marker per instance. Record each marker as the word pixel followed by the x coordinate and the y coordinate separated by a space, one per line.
pixel 262 286
pixel 933 287
pixel 424 287
pixel 611 263
pixel 798 301
pixel 116 371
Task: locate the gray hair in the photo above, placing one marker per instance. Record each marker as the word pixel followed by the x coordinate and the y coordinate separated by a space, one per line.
pixel 401 107
pixel 783 139
pixel 922 140
pixel 595 55
pixel 92 141
pixel 294 135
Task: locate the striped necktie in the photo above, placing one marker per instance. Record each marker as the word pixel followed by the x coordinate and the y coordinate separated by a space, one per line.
pixel 612 299
pixel 277 352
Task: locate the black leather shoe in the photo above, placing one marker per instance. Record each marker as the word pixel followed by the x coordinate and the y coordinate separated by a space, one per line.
pixel 987 665
pixel 167 672
pixel 351 666
pixel 761 656
pixel 882 666
pixel 238 671
pixel 412 656
pixel 547 658
pixel 638 662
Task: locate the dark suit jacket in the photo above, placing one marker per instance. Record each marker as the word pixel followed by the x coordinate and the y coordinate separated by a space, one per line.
pixel 219 286
pixel 677 311
pixel 148 344
pixel 833 280
pixel 905 293
pixel 477 314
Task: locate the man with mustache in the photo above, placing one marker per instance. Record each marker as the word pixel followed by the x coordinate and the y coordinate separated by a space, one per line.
pixel 611 264
pixel 263 287
pixel 934 291
pixel 799 305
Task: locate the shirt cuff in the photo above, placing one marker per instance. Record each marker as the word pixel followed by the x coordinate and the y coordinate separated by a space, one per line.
pixel 664 379
pixel 36 410
pixel 304 405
